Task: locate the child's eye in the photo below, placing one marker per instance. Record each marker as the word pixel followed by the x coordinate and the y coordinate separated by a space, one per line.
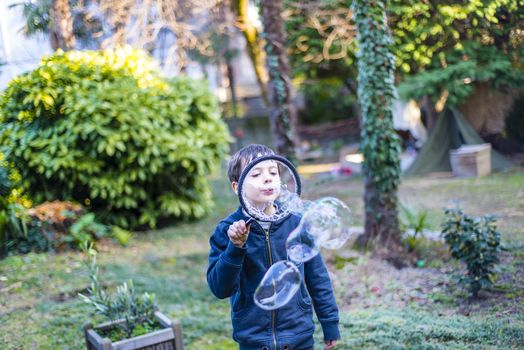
pixel 255 175
pixel 274 173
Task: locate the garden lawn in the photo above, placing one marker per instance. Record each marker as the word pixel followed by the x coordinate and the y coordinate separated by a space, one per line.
pixel 417 308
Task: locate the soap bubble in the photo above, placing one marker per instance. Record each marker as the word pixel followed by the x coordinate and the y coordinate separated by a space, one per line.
pixel 303 243
pixel 290 199
pixel 325 223
pixel 331 220
pixel 279 285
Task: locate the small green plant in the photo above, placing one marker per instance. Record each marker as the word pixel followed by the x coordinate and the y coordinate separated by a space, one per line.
pixel 476 242
pixel 85 229
pixel 413 222
pixel 125 304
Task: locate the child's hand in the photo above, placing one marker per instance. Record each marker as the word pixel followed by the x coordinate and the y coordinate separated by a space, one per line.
pixel 329 344
pixel 238 233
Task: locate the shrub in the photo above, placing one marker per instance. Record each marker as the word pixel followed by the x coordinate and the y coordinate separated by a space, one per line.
pixel 105 129
pixel 476 242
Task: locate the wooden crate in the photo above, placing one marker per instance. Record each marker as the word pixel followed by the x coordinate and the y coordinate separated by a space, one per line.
pixel 168 338
pixel 471 160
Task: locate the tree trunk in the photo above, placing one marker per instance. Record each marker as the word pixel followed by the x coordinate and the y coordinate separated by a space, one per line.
pixel 61 31
pixel 232 87
pixel 380 144
pixel 430 112
pixel 253 43
pixel 284 114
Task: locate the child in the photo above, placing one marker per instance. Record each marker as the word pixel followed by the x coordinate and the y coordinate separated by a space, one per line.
pixel 239 258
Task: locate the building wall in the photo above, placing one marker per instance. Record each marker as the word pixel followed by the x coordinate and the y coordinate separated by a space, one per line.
pixel 18 53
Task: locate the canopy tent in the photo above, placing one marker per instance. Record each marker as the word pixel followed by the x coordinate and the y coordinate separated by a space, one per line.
pixel 450 132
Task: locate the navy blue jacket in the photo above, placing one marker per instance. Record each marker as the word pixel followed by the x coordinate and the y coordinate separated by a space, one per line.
pixel 236 272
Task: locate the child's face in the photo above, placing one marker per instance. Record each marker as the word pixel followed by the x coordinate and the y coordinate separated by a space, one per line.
pixel 262 183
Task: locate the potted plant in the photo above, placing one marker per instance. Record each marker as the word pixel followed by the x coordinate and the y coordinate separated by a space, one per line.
pixel 133 319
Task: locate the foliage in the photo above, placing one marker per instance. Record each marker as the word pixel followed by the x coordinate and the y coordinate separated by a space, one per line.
pixel 13 225
pixel 136 310
pixel 55 226
pixel 85 229
pixel 429 33
pixel 458 76
pixel 121 235
pixel 379 143
pixel 438 46
pixel 13 221
pixel 447 46
pixel 476 242
pixel 105 129
pixel 37 15
pixel 414 221
pixel 321 38
pixel 327 100
pixel 322 56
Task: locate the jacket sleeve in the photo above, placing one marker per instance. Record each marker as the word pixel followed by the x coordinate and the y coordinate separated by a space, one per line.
pixel 319 287
pixel 225 263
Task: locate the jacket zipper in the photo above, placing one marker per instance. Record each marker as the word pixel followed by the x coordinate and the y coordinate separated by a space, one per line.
pixel 273 315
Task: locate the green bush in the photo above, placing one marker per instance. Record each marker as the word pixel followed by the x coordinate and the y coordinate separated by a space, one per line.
pixel 476 242
pixel 105 129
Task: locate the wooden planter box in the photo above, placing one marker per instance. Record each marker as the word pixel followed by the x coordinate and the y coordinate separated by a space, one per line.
pixel 168 338
pixel 471 160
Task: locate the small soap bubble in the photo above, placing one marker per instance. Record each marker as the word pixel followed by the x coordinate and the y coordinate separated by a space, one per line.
pixel 279 285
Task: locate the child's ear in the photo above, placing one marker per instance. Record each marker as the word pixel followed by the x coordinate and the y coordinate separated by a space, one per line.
pixel 234 186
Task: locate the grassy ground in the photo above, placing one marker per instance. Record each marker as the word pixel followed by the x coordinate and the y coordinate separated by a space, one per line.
pixel 382 308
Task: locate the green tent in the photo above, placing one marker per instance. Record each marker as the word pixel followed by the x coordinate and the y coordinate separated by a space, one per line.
pixel 450 132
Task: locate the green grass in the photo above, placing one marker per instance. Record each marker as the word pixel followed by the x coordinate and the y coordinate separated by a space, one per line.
pixel 39 308
pixel 415 329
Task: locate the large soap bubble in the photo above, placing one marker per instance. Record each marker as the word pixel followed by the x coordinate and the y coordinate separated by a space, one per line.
pixel 325 223
pixel 331 220
pixel 279 285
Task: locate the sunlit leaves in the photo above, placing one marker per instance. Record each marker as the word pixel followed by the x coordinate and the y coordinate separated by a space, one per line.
pixel 106 126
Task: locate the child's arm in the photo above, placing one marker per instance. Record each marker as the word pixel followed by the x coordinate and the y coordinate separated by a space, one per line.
pixel 225 263
pixel 319 287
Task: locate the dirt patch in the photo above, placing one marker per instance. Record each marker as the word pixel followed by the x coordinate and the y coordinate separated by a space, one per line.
pixel 364 281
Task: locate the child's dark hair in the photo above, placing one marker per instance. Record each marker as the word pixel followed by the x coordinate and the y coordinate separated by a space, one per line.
pixel 245 155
